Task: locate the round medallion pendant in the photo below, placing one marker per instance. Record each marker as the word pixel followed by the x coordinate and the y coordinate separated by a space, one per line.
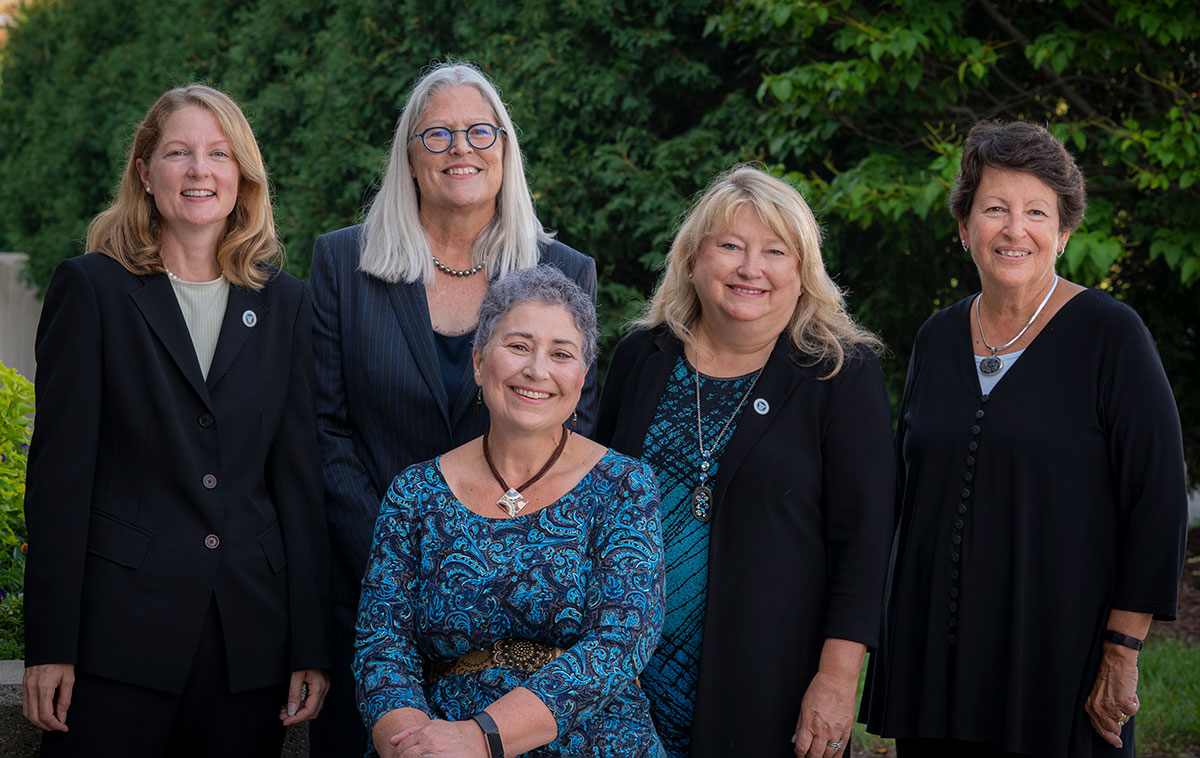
pixel 702 503
pixel 990 365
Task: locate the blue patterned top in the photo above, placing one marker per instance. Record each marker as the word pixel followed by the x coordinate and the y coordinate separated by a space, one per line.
pixel 584 573
pixel 672 448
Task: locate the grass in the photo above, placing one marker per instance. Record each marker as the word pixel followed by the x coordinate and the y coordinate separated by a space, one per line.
pixel 1169 690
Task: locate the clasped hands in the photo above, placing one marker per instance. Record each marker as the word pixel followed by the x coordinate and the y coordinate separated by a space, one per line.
pixel 443 739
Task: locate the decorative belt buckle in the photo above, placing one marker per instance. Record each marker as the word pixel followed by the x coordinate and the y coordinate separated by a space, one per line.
pixel 523 655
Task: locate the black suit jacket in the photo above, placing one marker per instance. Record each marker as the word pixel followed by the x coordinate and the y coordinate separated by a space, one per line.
pixel 381 401
pixel 151 491
pixel 800 532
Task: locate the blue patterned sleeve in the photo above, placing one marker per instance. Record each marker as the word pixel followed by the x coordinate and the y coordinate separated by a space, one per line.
pixel 624 604
pixel 387 663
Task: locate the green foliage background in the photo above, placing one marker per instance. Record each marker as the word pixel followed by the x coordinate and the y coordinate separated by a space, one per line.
pixel 16 403
pixel 628 108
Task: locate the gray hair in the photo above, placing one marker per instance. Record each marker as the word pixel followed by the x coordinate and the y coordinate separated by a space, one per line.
pixel 539 284
pixel 395 245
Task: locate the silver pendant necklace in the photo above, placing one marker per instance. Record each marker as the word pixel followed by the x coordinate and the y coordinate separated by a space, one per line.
pixel 702 496
pixel 992 364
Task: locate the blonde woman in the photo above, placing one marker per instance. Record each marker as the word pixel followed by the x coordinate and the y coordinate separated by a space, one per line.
pixel 761 407
pixel 176 585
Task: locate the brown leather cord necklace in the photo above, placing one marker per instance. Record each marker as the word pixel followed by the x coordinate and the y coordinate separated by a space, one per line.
pixel 512 501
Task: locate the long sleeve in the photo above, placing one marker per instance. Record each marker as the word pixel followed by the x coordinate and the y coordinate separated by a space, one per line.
pixel 625 600
pixel 387 663
pixel 62 464
pixel 351 499
pixel 858 492
pixel 1145 444
pixel 294 481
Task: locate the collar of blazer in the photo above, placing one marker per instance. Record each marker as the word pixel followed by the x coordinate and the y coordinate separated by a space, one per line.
pixel 782 375
pixel 158 305
pixel 412 310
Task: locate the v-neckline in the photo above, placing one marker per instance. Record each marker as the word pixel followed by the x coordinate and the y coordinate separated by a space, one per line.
pixel 969 366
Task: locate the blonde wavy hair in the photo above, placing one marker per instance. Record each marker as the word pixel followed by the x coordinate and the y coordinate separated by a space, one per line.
pixel 130 230
pixel 820 327
pixel 395 246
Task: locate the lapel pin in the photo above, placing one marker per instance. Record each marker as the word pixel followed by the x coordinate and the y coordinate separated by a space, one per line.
pixel 249 318
pixel 761 406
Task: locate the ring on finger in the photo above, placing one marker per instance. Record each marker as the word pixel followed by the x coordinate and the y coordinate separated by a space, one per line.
pixel 834 745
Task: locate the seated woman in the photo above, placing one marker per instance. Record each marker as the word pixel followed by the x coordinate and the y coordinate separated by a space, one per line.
pixel 515 585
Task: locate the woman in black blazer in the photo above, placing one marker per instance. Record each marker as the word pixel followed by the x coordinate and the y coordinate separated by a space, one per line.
pixel 178 558
pixel 761 407
pixel 397 301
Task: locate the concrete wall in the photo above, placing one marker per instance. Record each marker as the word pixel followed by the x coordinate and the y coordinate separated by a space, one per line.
pixel 19 311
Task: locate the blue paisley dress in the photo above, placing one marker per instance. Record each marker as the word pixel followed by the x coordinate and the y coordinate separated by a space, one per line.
pixel 585 573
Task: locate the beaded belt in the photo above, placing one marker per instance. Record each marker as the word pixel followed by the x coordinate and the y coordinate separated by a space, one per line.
pixel 518 654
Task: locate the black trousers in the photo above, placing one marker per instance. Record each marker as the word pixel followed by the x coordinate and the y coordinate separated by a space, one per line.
pixel 112 719
pixel 339 732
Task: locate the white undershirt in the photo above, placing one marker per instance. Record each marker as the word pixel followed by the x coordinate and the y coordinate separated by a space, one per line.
pixel 988 383
pixel 203 305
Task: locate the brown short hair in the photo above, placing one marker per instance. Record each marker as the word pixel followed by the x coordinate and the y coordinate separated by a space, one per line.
pixel 130 232
pixel 1020 146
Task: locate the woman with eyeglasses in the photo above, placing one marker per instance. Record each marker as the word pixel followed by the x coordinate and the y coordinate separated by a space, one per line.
pixel 397 302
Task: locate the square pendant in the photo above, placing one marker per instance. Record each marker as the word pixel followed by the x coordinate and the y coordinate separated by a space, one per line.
pixel 512 502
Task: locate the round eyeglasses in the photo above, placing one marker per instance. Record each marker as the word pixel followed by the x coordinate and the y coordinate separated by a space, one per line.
pixel 438 139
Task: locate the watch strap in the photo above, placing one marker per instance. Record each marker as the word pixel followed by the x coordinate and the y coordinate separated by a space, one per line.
pixel 491 733
pixel 1133 643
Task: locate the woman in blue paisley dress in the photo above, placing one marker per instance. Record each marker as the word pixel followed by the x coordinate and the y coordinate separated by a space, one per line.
pixel 515 588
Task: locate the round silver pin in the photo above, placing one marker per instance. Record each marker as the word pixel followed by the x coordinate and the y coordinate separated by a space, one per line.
pixel 761 406
pixel 249 318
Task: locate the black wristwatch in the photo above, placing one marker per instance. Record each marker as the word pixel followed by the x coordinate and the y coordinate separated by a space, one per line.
pixel 491 733
pixel 1133 643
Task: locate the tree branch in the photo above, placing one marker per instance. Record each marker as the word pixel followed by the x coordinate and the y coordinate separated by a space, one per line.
pixel 1067 90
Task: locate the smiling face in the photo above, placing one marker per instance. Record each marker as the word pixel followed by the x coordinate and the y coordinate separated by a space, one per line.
pixel 1013 229
pixel 192 173
pixel 462 178
pixel 747 274
pixel 531 372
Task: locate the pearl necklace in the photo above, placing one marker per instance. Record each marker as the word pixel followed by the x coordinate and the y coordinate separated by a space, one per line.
pixel 455 271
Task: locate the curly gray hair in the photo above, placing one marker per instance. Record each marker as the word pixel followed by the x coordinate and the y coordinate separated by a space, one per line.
pixel 538 284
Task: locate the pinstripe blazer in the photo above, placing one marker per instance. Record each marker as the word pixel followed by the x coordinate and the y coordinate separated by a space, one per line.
pixel 381 401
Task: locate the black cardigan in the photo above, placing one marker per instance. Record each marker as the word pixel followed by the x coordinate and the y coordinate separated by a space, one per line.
pixel 1027 514
pixel 800 532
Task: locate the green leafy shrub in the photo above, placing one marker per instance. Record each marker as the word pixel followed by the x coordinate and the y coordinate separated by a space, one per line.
pixel 16 405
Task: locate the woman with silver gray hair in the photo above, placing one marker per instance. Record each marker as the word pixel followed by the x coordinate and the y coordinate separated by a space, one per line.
pixel 397 300
pixel 515 584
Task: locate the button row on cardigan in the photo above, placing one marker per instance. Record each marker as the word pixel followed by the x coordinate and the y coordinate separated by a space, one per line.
pixel 956 537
